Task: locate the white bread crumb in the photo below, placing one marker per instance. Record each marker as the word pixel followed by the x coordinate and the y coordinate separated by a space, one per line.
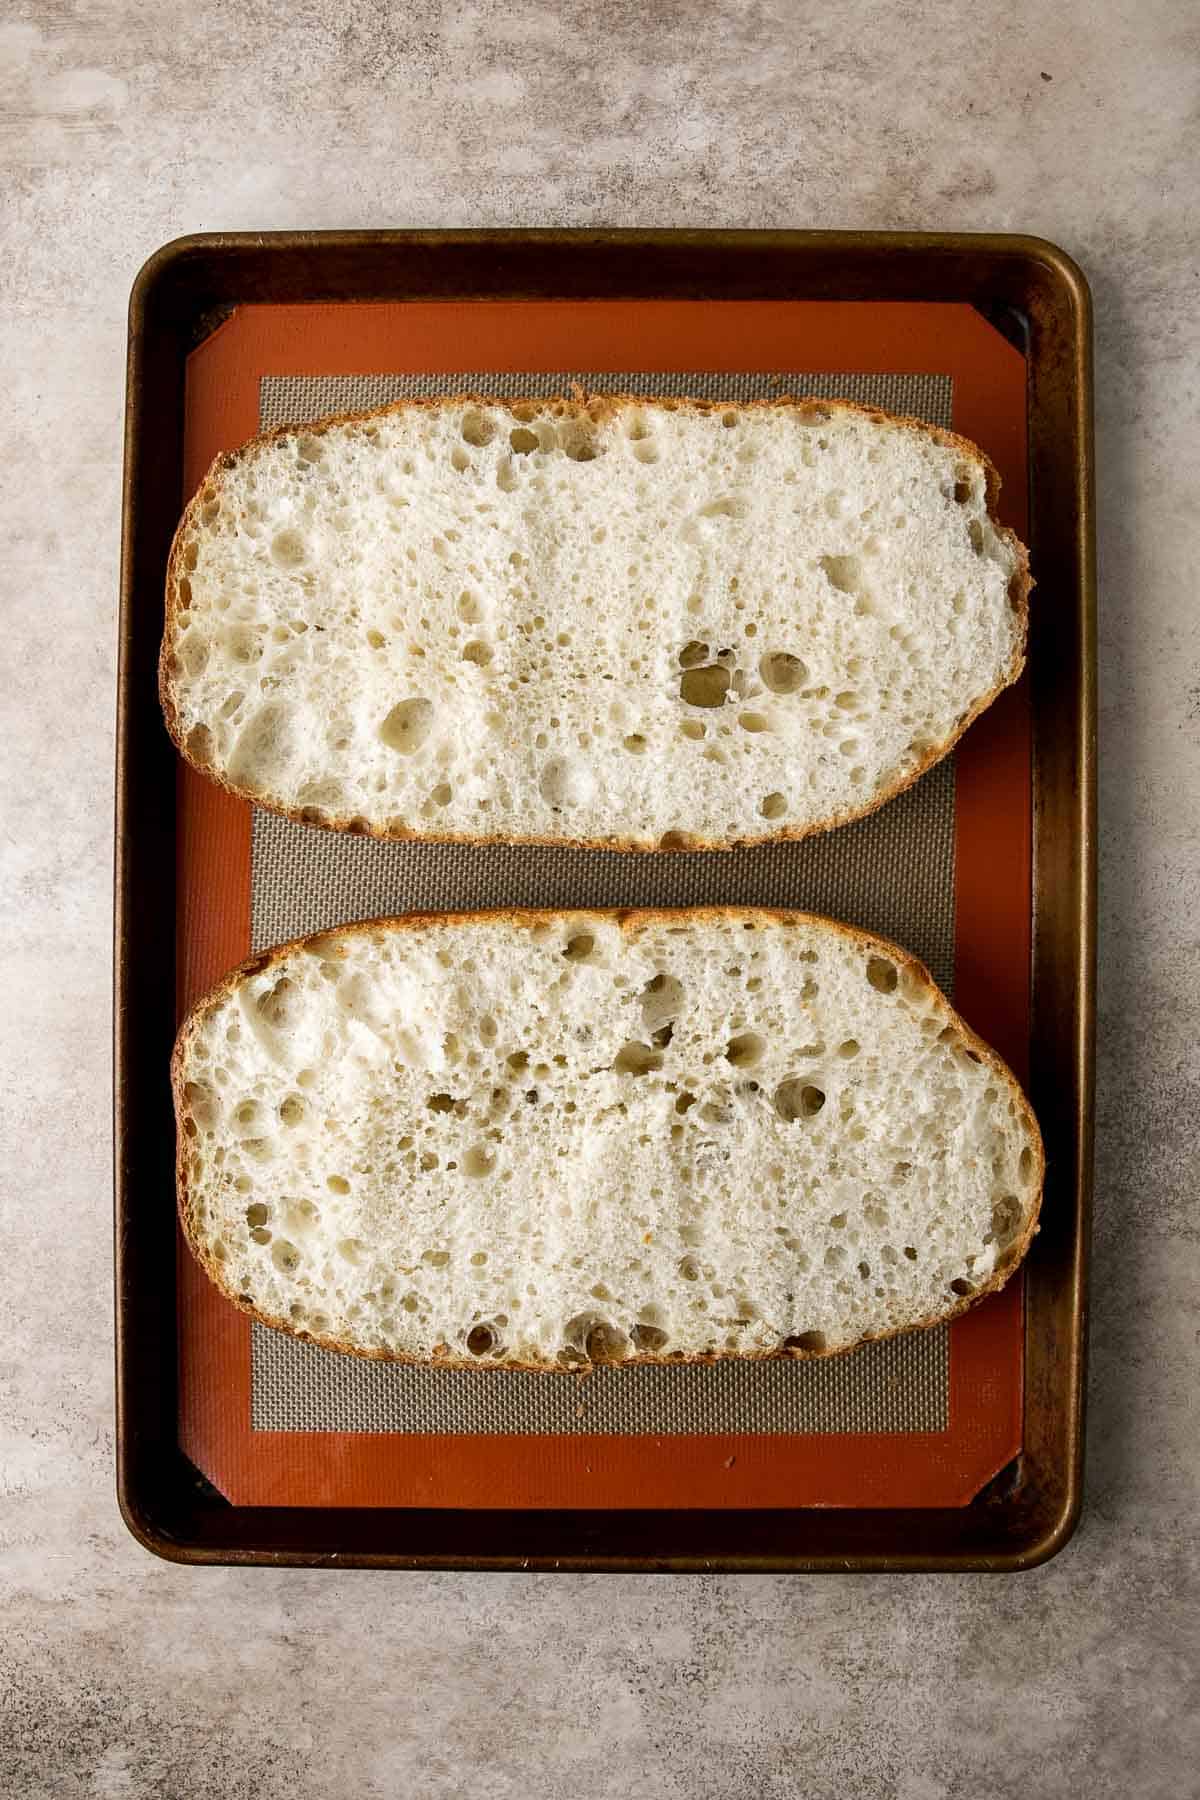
pixel 614 624
pixel 547 1139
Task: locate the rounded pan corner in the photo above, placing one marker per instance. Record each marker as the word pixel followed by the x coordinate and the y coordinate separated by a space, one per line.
pixel 1057 1534
pixel 1045 1538
pixel 1059 266
pixel 145 1529
pixel 161 266
pixel 148 1527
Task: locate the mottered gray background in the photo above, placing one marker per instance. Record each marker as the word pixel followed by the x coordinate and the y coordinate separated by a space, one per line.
pixel 123 124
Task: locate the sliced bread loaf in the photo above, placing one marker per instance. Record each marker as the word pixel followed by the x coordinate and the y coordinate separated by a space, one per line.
pixel 620 622
pixel 543 1140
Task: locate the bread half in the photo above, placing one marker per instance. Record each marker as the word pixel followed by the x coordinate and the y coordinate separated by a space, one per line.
pixel 542 1140
pixel 625 622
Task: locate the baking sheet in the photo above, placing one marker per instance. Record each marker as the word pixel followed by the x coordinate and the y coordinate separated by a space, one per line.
pixel 899 872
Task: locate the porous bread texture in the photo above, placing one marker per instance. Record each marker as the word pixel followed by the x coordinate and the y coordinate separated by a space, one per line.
pixel 546 1140
pixel 636 623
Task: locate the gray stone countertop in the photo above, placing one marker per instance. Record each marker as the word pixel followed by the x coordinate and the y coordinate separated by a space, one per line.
pixel 122 125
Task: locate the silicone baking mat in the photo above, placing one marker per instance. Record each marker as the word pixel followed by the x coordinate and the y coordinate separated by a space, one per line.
pixel 312 1413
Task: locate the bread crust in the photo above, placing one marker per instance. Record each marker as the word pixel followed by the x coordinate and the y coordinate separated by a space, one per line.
pixel 632 921
pixel 597 407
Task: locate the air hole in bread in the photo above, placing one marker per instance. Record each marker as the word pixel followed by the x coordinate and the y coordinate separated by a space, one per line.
pixel 580 444
pixel 635 743
pixel 806 1343
pixel 523 441
pixel 772 806
pixel 914 987
pixel 480 1340
pixel 565 783
pixel 782 672
pixel 477 652
pixel 436 1259
pixel 477 1161
pixel 975 533
pixel 291 1109
pixel 961 1286
pixel 257 1215
pixel 194 653
pixel 635 1058
pixel 842 572
pixel 662 998
pixel 849 1048
pixel 706 686
pixel 746 1050
pixel 754 721
pixel 576 949
pixel 649 1338
pixel 1006 1216
pixel 288 549
pixel 477 429
pixel 285 1256
pixel 337 1184
pixel 1026 1164
pixel 200 746
pixel 693 654
pixel 408 725
pixel 468 608
pixel 725 506
pixel 796 1099
pixel 882 974
pixel 646 451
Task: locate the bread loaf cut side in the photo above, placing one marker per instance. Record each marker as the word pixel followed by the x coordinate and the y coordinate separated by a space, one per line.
pixel 543 1140
pixel 624 622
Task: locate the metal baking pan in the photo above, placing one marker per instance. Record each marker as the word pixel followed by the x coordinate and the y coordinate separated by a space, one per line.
pixel 1035 295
